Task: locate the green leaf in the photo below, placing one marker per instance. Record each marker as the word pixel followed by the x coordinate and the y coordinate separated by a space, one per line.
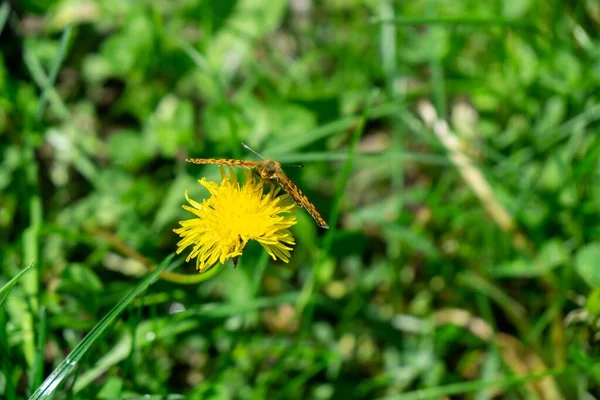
pixel 170 209
pixel 592 304
pixel 587 264
pixel 112 388
pixel 514 9
pixel 128 148
pixel 171 125
pixel 249 21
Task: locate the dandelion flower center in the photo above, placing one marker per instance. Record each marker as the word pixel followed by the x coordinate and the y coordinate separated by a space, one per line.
pixel 234 214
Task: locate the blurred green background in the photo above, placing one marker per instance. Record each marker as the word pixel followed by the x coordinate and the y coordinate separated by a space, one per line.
pixel 461 263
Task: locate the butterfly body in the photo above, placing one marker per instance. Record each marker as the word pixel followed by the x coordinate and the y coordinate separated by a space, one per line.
pixel 269 170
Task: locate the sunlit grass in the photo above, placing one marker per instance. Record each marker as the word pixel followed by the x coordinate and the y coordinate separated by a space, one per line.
pixel 451 146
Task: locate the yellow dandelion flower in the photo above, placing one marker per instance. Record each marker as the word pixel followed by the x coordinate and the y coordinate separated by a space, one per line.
pixel 234 214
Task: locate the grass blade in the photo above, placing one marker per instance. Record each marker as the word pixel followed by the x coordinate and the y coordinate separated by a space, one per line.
pixel 466 387
pixel 421 158
pixel 312 285
pixel 345 175
pixel 35 378
pixel 4 290
pixel 6 362
pixel 60 56
pixel 220 310
pixel 41 79
pixel 5 356
pixel 48 387
pixel 453 21
pixel 321 132
pixel 4 10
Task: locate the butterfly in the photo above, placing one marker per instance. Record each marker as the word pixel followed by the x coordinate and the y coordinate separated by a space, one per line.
pixel 269 170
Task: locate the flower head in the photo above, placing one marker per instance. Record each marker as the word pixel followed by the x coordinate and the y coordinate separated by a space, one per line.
pixel 234 214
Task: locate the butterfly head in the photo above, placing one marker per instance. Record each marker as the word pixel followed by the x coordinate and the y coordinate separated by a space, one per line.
pixel 270 170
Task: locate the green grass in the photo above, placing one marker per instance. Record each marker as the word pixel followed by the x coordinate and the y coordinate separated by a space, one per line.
pixel 461 269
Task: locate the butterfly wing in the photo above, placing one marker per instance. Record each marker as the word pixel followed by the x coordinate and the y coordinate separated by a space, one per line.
pixel 285 182
pixel 226 162
pixel 300 199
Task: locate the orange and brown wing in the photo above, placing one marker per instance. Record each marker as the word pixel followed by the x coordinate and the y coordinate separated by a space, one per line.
pixel 301 200
pixel 226 162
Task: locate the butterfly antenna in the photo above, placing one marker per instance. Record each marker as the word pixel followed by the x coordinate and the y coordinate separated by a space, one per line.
pixel 294 165
pixel 252 150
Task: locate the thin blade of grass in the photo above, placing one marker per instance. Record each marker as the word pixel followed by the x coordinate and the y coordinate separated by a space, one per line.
pixel 436 68
pixel 198 59
pixel 48 387
pixel 453 21
pixel 296 384
pixel 4 290
pixel 387 43
pixel 39 77
pixel 60 56
pixel 389 59
pixel 31 283
pixel 259 272
pixel 6 363
pixel 515 311
pixel 329 129
pixel 119 352
pixel 343 180
pixel 305 305
pixel 421 158
pixel 555 134
pixel 36 375
pixel 9 389
pixel 467 387
pixel 220 310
